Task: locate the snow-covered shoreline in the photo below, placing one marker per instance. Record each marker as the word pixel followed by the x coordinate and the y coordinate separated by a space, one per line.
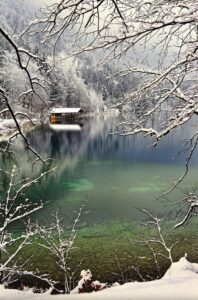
pixel 179 283
pixel 8 127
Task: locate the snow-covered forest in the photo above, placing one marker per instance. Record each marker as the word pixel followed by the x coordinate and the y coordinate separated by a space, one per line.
pixel 131 67
pixel 73 81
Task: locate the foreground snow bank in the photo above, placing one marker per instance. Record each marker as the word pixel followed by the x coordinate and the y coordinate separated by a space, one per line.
pixel 179 283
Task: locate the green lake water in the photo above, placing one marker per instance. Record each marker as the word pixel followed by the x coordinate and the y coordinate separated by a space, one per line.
pixel 117 176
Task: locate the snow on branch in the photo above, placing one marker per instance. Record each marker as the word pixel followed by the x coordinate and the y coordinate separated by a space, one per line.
pixel 18 127
pixel 191 203
pixel 11 211
pixel 18 52
pixel 189 148
pixel 34 83
pixel 60 244
pixel 119 27
pixel 160 241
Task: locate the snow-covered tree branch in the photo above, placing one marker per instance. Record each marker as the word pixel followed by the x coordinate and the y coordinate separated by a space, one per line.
pixel 124 29
pixel 22 85
pixel 60 244
pixel 13 210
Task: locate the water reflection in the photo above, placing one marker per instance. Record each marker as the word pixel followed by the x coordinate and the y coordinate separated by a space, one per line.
pixel 116 173
pixel 65 127
pixel 93 141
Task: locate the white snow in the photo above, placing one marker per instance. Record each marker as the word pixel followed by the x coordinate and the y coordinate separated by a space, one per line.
pixel 66 110
pixel 7 124
pixel 86 275
pixel 8 127
pixel 179 283
pixel 66 127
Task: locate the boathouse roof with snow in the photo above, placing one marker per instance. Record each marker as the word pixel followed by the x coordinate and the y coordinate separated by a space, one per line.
pixel 66 110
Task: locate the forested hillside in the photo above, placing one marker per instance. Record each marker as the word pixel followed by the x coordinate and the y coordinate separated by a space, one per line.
pixel 78 81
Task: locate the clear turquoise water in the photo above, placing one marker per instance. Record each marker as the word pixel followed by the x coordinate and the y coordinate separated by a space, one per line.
pixel 118 175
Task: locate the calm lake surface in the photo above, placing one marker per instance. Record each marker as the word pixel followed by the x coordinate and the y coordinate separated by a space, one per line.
pixel 117 174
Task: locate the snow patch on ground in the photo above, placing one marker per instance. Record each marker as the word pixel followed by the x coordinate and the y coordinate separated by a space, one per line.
pixel 179 283
pixel 8 127
pixel 7 124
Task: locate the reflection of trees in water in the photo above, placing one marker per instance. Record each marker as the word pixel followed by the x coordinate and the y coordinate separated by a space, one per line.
pixel 93 142
pixel 72 152
pixel 63 145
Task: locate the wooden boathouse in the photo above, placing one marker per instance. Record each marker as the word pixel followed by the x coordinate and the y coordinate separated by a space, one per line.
pixel 65 115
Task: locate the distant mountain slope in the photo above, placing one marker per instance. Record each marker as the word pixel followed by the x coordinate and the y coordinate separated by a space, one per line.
pixel 16 14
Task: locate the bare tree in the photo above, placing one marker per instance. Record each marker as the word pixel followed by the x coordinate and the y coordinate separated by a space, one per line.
pixel 158 247
pixel 120 28
pixel 16 207
pixel 34 88
pixel 155 221
pixel 156 40
pixel 188 207
pixel 60 244
pixel 169 29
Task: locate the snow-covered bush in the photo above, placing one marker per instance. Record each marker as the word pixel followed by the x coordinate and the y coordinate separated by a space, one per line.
pixel 86 285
